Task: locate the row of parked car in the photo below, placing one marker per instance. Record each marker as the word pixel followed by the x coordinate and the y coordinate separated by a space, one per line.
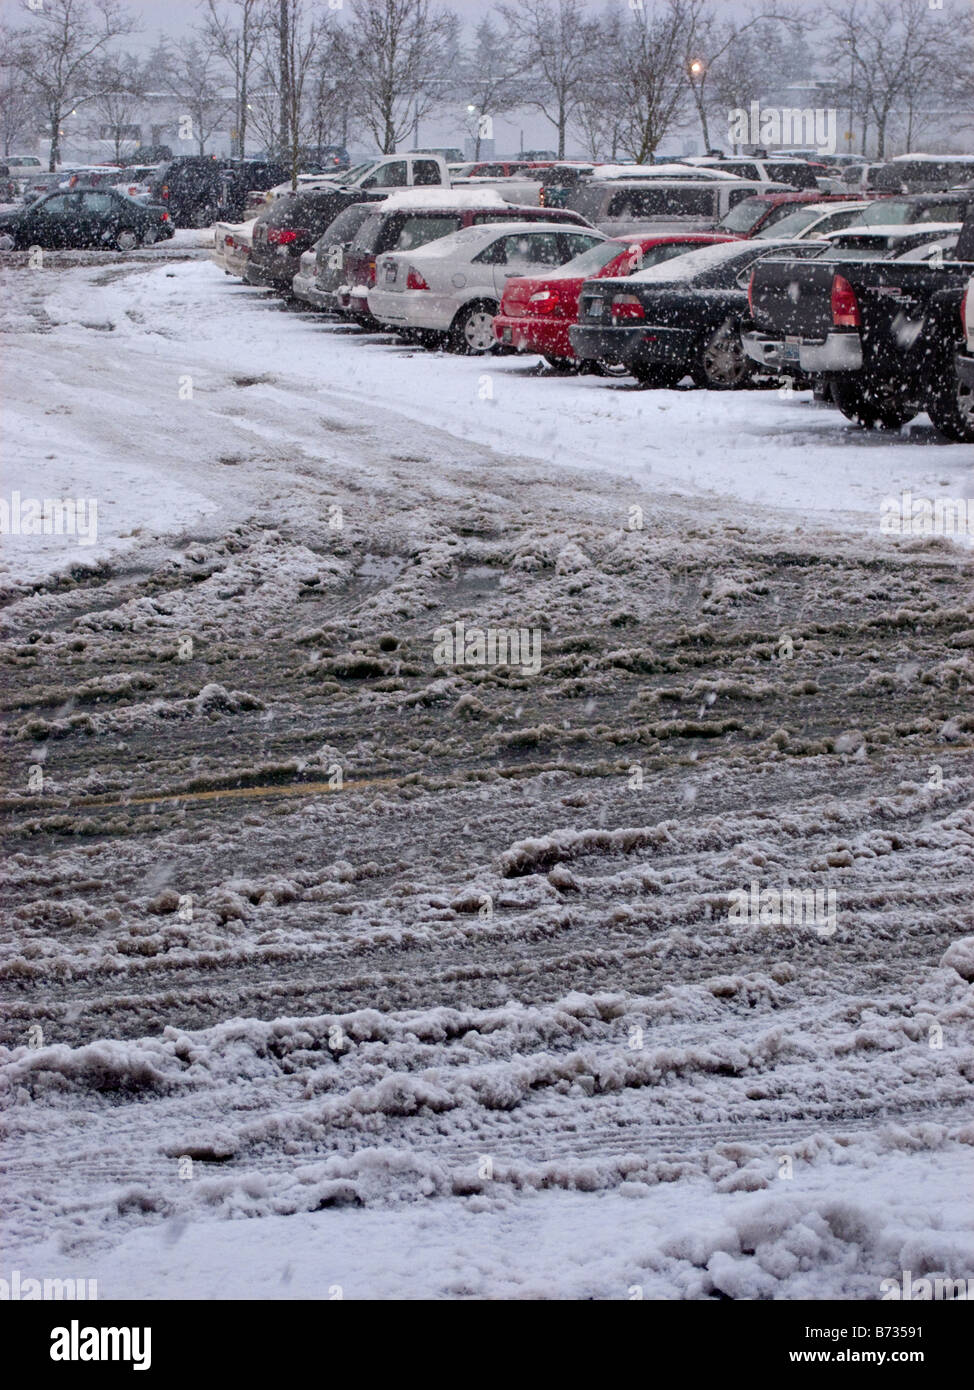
pixel 668 299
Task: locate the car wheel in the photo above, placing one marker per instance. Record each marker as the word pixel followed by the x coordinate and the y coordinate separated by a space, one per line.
pixel 7 242
pixel 603 367
pixel 126 240
pixel 722 364
pixel 871 405
pixel 564 366
pixel 951 407
pixel 473 329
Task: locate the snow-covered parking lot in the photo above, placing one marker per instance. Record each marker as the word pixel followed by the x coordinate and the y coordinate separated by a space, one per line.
pixel 434 971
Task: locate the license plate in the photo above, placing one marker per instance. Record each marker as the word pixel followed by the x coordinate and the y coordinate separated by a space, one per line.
pixel 789 351
pixel 391 274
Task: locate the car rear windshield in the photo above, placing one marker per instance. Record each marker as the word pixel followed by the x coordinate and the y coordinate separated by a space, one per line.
pixel 790 225
pixel 346 224
pixel 696 264
pixel 587 200
pixel 798 175
pixel 367 236
pixel 898 211
pixel 419 228
pixel 593 260
pixel 929 171
pixel 633 203
pixel 743 217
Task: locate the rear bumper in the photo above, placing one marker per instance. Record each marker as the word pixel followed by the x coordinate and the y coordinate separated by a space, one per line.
pixel 643 343
pixel 411 309
pixel 272 275
pixel 354 305
pixel 838 352
pixel 771 353
pixel 534 335
pixel 965 369
pixel 305 288
pixel 235 260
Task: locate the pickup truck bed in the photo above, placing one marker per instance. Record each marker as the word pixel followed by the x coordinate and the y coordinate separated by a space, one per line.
pixel 883 334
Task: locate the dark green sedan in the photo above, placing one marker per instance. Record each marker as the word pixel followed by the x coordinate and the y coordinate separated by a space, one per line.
pixel 82 218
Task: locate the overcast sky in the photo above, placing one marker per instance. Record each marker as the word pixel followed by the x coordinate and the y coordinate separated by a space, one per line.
pixel 176 16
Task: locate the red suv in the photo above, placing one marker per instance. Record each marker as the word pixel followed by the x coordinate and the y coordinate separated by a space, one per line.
pixel 403 228
pixel 536 313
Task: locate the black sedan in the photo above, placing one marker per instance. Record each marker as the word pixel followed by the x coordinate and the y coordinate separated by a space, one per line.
pixel 100 218
pixel 680 318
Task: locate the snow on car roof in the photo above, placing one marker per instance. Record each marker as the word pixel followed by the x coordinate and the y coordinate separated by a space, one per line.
pixel 892 230
pixel 657 171
pixel 474 235
pixel 934 158
pixel 686 266
pixel 408 199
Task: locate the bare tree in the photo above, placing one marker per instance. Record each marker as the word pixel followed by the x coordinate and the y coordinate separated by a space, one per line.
pixel 297 37
pixel 894 48
pixel 193 77
pixel 332 95
pixel 234 30
pixel 399 51
pixel 551 41
pixel 56 55
pixel 649 61
pixel 19 111
pixel 487 86
pixel 709 45
pixel 116 106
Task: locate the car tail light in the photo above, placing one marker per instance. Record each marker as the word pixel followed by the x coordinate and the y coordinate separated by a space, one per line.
pixel 415 281
pixel 545 302
pixel 283 236
pixel 165 190
pixel 627 307
pixel 164 217
pixel 845 306
pixel 963 311
pixel 370 272
pixel 750 294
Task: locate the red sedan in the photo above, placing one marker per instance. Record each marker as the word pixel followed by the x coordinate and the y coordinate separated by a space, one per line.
pixel 536 314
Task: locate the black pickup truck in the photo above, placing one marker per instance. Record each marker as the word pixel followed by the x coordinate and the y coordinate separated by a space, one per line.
pixel 883 336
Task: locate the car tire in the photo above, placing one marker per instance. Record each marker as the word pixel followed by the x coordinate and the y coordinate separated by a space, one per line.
pixel 564 366
pixel 126 240
pixel 8 242
pixel 472 331
pixel 722 364
pixel 951 407
pixel 871 406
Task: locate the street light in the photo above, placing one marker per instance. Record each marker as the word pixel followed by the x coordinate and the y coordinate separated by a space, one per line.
pixel 697 67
